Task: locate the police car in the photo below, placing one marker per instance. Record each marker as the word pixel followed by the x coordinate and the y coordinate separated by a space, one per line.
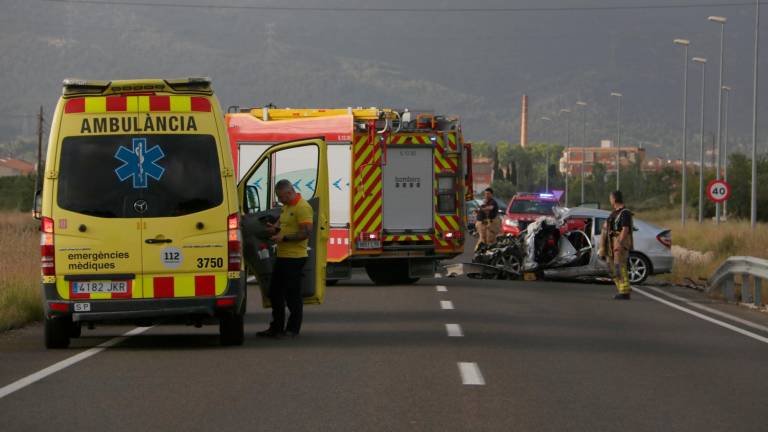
pixel 140 211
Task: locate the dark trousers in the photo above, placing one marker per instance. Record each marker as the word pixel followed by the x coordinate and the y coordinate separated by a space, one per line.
pixel 285 289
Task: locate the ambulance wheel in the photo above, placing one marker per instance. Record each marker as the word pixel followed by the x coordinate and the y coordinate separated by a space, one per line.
pixel 57 331
pixel 232 329
pixel 76 330
pixel 331 282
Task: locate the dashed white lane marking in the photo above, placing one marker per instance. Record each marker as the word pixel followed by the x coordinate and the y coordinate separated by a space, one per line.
pixel 470 374
pixel 739 330
pixel 711 310
pixel 446 304
pixel 454 330
pixel 56 367
pixel 441 288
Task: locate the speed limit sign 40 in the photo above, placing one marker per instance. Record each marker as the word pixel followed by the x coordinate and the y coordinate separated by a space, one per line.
pixel 718 191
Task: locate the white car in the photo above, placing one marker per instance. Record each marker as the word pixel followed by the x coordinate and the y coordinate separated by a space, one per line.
pixel 651 255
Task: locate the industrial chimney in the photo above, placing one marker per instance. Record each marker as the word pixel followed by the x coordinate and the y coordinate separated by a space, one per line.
pixel 524 123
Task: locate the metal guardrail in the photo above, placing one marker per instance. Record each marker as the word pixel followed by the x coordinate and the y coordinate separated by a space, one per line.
pixel 724 279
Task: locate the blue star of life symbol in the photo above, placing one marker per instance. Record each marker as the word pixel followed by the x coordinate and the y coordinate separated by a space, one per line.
pixel 139 163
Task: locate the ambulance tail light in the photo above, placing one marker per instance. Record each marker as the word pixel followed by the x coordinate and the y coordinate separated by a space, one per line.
pixel 47 253
pixel 225 302
pixel 234 248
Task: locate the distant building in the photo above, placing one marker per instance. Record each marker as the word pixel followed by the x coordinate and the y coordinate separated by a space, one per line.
pixel 15 167
pixel 571 160
pixel 482 173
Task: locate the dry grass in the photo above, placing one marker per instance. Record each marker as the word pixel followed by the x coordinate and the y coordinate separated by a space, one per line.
pixel 730 238
pixel 20 297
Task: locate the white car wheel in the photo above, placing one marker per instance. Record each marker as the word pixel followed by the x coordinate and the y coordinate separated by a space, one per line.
pixel 639 268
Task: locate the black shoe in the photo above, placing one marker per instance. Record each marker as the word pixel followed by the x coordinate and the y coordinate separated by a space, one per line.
pixel 271 333
pixel 621 297
pixel 291 334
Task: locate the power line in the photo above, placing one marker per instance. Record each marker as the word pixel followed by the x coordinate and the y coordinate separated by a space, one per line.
pixel 401 9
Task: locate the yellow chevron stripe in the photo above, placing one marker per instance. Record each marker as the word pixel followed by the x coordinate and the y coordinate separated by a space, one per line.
pixel 376 177
pixel 362 157
pixel 364 222
pixel 366 201
pixel 374 225
pixel 360 142
pixel 441 224
pixel 451 222
pixel 374 210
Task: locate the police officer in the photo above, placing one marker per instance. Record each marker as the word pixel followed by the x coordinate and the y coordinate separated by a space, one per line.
pixel 488 224
pixel 617 245
pixel 291 233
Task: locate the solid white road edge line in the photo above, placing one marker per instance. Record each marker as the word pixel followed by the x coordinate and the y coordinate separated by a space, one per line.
pixel 704 317
pixel 470 374
pixel 441 288
pixel 711 310
pixel 454 330
pixel 446 304
pixel 52 369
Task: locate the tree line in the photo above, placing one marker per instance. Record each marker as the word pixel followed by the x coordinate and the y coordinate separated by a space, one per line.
pixel 518 169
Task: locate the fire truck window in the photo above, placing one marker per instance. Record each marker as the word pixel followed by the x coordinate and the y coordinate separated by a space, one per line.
pixel 446 196
pixel 299 166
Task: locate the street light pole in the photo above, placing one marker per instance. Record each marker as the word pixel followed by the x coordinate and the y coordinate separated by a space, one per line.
pixel 718 143
pixel 726 97
pixel 546 184
pixel 567 149
pixel 618 140
pixel 684 189
pixel 753 210
pixel 583 106
pixel 703 62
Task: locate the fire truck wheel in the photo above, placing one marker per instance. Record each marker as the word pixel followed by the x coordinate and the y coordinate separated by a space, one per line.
pixel 57 332
pixel 390 273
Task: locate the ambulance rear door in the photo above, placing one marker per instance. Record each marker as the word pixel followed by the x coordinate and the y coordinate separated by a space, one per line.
pixel 185 210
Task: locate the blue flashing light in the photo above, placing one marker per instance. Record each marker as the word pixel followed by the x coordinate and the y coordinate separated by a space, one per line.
pixel 546 195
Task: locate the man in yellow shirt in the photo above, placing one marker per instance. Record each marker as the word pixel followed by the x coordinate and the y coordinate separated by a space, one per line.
pixel 291 234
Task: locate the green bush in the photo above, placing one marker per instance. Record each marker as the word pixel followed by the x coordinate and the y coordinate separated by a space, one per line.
pixel 17 193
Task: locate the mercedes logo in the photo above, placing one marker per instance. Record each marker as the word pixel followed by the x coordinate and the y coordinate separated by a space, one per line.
pixel 140 206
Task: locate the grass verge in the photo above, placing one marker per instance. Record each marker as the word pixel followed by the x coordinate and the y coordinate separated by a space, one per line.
pixel 730 238
pixel 20 300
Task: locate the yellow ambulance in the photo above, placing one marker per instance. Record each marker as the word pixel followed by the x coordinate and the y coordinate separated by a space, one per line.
pixel 140 212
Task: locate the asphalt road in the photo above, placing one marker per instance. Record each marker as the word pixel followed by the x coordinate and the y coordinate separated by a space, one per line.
pixel 539 356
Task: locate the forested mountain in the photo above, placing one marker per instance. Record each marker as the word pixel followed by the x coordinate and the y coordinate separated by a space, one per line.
pixel 474 63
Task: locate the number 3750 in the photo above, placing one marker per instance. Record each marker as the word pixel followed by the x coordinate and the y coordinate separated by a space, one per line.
pixel 210 262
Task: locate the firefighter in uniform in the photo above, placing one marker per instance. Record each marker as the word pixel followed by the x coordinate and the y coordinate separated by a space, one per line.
pixel 488 224
pixel 616 244
pixel 291 234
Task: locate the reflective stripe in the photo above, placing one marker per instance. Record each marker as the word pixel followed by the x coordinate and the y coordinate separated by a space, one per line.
pixel 103 104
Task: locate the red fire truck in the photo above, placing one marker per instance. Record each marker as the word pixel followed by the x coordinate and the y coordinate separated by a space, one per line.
pixel 397 182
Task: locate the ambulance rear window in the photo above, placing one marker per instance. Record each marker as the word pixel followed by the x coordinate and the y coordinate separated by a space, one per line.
pixel 129 176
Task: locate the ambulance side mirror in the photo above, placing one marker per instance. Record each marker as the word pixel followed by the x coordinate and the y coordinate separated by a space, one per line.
pixel 37 205
pixel 252 199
